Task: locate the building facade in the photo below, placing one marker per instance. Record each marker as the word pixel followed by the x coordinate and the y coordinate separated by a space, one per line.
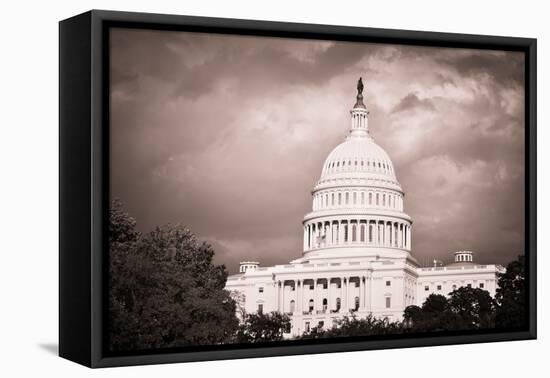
pixel 357 247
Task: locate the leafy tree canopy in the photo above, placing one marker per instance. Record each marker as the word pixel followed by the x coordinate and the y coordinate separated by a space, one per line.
pixel 511 296
pixel 165 290
pixel 261 327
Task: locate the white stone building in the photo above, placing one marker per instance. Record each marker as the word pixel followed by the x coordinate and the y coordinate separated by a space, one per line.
pixel 357 247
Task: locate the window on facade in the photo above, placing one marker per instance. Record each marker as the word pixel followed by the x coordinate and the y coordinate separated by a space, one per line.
pixel 325 285
pixel 362 232
pixel 338 304
pixel 377 199
pixel 481 285
pixel 370 198
pixel 384 200
pixel 311 305
pixel 354 233
pixel 469 285
pixel 454 287
pixel 311 286
pixel 426 288
pixel 321 324
pixel 355 198
pixel 292 305
pixel 347 198
pixel 438 287
pixel 260 308
pixel 362 198
pixel 326 200
pixel 307 326
pixel 388 302
pixel 356 303
pixel 325 304
pixel 339 198
pixel 388 283
pixel 332 199
pixel 260 290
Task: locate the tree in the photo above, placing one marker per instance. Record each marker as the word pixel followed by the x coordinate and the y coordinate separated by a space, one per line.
pixel 434 315
pixel 511 296
pixel 474 307
pixel 352 326
pixel 165 290
pixel 466 308
pixel 261 327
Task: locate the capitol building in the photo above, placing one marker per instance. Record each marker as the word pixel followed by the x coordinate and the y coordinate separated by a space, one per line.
pixel 357 258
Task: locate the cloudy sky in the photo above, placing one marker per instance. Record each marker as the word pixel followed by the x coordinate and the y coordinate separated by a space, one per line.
pixel 228 134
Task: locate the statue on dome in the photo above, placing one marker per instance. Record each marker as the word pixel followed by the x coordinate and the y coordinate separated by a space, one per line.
pixel 360 86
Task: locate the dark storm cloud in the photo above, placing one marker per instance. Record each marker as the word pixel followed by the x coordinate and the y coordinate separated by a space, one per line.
pixel 227 134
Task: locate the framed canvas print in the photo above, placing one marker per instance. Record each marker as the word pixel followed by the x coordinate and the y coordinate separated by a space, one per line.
pixel 234 188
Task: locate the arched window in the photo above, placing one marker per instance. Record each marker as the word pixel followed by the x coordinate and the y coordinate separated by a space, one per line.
pixel 356 303
pixel 377 199
pixel 338 304
pixel 332 199
pixel 326 200
pixel 311 305
pixel 370 198
pixel 355 198
pixel 292 306
pixel 347 198
pixel 362 232
pixel 354 233
pixel 384 200
pixel 362 198
pixel 339 198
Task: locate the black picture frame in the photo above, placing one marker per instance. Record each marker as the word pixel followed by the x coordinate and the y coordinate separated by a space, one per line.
pixel 84 167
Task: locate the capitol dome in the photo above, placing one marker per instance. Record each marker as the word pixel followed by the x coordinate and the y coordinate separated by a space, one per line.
pixel 357 201
pixel 357 157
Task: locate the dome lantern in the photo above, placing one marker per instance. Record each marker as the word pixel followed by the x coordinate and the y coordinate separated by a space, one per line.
pixel 359 114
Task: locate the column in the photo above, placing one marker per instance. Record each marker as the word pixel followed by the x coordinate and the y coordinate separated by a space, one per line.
pixel 340 232
pixel 283 296
pixel 298 308
pixel 315 301
pixel 328 296
pixel 375 232
pixel 347 294
pixel 278 283
pixel 301 297
pixel 368 293
pixel 343 294
pixel 361 293
pixel 305 237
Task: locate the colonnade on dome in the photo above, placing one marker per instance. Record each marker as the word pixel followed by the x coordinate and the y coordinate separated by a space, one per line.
pixel 357 231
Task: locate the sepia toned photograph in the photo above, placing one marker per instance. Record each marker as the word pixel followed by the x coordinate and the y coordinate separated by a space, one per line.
pixel 269 190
